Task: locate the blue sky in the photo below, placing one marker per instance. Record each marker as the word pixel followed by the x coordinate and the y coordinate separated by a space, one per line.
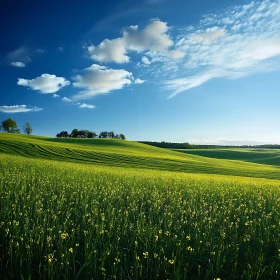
pixel 205 72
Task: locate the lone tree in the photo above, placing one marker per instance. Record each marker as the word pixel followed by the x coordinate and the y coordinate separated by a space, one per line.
pixel 10 126
pixel 122 137
pixel 27 128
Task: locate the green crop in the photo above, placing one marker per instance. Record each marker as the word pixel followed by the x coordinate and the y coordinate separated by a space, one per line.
pixel 69 220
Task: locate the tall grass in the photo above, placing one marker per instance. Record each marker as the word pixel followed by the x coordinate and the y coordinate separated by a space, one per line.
pixel 74 221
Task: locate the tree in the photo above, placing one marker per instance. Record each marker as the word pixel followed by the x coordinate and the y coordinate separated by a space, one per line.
pixel 10 126
pixel 91 134
pixel 122 137
pixel 62 134
pixel 27 128
pixel 103 134
pixel 111 134
pixel 75 132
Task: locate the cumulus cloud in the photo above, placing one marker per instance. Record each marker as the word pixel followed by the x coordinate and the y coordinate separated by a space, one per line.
pixel 139 81
pixel 153 37
pixel 145 60
pixel 66 99
pixel 17 64
pixel 89 106
pixel 100 80
pixel 46 83
pixel 18 109
pixel 109 50
pixel 243 40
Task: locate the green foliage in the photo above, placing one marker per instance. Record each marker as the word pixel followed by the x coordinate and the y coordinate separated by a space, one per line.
pixel 63 134
pixel 89 134
pixel 27 128
pixel 168 145
pixel 9 125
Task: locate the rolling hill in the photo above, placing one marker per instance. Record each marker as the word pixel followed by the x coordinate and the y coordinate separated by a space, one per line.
pixel 110 152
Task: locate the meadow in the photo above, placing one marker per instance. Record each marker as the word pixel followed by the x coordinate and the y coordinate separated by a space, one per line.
pixel 112 209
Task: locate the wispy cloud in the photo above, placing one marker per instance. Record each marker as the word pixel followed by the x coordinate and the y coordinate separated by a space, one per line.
pixel 225 142
pixel 19 109
pixel 22 56
pixel 88 106
pixel 17 64
pixel 98 79
pixel 46 83
pixel 241 41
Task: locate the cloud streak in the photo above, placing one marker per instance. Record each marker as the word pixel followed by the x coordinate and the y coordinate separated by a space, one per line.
pixel 241 41
pixel 17 64
pixel 18 109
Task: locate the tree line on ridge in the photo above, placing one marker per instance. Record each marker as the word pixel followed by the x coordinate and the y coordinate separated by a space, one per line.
pixel 89 134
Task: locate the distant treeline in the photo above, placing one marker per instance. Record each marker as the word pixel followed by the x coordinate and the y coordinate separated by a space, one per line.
pixel 89 134
pixel 170 145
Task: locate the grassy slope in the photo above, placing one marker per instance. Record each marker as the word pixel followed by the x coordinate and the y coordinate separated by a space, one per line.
pixel 261 156
pixel 128 154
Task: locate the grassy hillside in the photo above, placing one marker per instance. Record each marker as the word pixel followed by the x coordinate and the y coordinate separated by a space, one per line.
pixel 128 154
pixel 255 155
pixel 63 220
pixel 111 209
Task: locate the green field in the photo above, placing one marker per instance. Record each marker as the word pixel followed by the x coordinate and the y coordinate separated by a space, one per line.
pixel 112 209
pixel 255 155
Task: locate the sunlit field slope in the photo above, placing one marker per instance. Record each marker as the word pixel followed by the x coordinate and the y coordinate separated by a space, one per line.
pixel 128 154
pixel 262 156
pixel 61 220
pixel 112 209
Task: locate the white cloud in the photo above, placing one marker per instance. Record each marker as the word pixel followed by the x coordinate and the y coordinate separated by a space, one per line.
pixel 211 35
pixel 139 81
pixel 46 83
pixel 109 50
pixel 55 95
pixel 100 80
pixel 182 84
pixel 241 41
pixel 17 64
pixel 146 60
pixel 89 106
pixel 153 37
pixel 18 109
pixel 66 99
